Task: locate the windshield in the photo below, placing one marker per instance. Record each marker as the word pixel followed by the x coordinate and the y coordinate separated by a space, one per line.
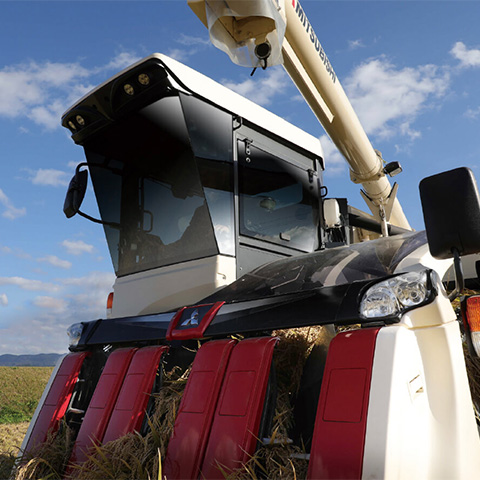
pixel 146 180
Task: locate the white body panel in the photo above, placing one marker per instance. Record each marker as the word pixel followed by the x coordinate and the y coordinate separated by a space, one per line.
pixel 170 287
pixel 421 421
pixel 421 259
pixel 469 269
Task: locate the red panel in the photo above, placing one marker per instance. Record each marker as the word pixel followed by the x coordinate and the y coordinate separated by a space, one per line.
pixel 132 400
pixel 192 426
pixel 339 434
pixel 236 422
pixel 198 331
pixel 58 398
pixel 103 400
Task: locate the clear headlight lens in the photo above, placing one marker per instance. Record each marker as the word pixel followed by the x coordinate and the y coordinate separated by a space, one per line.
pixel 74 333
pixel 394 295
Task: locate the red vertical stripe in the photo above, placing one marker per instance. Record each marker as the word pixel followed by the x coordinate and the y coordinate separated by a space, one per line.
pixel 340 426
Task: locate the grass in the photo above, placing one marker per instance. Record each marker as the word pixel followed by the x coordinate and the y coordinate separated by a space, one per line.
pixel 20 391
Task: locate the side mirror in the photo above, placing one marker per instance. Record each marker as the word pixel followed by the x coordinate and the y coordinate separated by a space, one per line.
pixel 451 210
pixel 75 193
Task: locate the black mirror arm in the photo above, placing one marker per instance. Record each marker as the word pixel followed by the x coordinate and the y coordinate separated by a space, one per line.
pixel 96 220
pixel 82 164
pixel 459 280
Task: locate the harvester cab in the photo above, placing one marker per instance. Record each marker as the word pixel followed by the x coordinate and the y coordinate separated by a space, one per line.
pixel 195 184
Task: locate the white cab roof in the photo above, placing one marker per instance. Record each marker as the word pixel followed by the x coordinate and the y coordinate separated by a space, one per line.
pixel 230 101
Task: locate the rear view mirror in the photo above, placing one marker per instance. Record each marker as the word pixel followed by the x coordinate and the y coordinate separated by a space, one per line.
pixel 75 193
pixel 451 210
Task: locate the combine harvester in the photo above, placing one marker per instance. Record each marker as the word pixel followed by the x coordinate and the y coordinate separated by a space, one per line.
pixel 220 233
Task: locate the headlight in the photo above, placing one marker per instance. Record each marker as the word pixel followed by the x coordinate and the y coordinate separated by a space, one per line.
pixel 395 295
pixel 74 333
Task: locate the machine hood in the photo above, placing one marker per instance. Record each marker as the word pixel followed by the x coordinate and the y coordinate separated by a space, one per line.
pixel 327 268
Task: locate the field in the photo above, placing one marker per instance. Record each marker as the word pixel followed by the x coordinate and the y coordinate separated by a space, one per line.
pixel 20 391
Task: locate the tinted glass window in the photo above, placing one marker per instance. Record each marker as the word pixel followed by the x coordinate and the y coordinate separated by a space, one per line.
pixel 210 129
pixel 278 201
pixel 217 180
pixel 146 179
pixel 211 137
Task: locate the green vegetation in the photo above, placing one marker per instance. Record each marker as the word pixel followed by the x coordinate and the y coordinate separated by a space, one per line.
pixel 20 391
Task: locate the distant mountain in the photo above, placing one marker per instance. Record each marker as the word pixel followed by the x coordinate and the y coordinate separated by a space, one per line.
pixel 40 360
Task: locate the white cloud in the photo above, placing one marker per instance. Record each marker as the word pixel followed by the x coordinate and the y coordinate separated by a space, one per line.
pixel 44 334
pixel 194 44
pixel 82 299
pixel 49 177
pixel 89 294
pixel 11 212
pixel 179 54
pixel 29 284
pixel 77 247
pixel 335 164
pixel 355 44
pixel 3 300
pixel 17 252
pixel 42 91
pixel 38 91
pixel 72 165
pixel 472 113
pixel 388 99
pixel 55 261
pixel 263 87
pixel 50 303
pixel 48 115
pixel 467 57
pixel 93 281
pixel 189 40
pixel 121 61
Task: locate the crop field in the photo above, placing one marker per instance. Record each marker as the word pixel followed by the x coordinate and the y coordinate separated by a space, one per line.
pixel 20 391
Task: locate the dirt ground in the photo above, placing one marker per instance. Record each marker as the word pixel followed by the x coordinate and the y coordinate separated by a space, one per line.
pixel 11 437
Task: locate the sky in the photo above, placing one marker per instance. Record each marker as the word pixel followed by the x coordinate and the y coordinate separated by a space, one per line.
pixel 411 70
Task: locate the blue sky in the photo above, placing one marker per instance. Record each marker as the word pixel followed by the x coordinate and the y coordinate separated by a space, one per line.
pixel 411 70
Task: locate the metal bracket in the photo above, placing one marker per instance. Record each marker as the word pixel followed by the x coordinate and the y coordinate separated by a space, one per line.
pixel 237 123
pixel 384 210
